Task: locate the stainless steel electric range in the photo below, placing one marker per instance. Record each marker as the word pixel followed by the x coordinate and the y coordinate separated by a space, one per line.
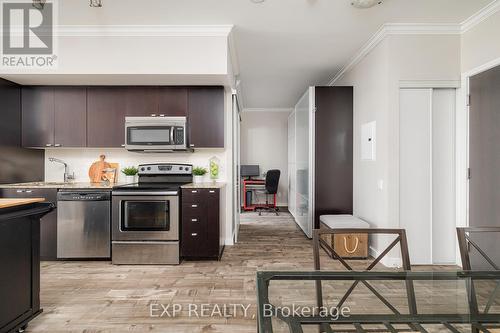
pixel 145 215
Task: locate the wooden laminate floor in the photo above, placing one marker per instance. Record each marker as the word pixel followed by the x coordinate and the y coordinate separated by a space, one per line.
pixel 94 297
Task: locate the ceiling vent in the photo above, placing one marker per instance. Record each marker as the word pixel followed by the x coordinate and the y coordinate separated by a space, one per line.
pixel 366 3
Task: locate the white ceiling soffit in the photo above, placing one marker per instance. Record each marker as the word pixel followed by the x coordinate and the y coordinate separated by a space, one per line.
pixel 268 110
pixel 143 30
pixel 416 29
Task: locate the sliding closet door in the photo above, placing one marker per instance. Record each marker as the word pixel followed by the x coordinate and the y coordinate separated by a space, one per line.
pixel 302 163
pixel 426 164
pixel 292 178
pixel 443 177
pixel 415 199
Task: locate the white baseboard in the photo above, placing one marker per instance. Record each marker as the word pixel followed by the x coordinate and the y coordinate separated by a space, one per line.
pixel 393 262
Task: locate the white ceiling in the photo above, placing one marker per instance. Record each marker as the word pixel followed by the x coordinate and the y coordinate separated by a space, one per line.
pixel 283 46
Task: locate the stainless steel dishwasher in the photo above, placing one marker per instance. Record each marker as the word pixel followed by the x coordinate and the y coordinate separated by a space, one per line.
pixel 83 224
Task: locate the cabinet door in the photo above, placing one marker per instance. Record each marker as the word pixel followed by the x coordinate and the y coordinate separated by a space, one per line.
pixel 10 126
pixel 70 117
pixel 206 117
pixel 173 101
pixel 141 101
pixel 38 116
pixel 106 110
pixel 213 222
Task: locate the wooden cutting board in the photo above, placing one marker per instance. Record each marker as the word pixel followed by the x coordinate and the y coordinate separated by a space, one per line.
pixel 96 171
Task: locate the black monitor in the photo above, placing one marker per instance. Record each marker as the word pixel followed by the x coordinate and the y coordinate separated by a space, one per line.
pixel 250 171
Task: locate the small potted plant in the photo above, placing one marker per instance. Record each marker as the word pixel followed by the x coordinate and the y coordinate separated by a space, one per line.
pixel 130 173
pixel 199 174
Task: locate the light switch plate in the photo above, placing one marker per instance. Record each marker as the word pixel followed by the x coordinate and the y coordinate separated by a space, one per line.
pixel 368 141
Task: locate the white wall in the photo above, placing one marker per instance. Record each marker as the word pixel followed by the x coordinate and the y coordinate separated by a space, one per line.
pixel 376 80
pixel 264 141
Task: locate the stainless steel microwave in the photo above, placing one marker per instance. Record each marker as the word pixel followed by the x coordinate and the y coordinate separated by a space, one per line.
pixel 155 134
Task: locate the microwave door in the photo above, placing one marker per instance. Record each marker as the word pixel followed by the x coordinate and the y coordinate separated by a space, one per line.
pixel 147 136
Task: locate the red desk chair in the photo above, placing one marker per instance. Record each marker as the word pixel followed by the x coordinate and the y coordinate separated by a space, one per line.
pixel 272 181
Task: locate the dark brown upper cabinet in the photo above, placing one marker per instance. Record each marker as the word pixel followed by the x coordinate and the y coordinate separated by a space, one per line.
pixel 38 117
pixel 206 117
pixel 141 101
pixel 54 117
pixel 70 117
pixel 173 101
pixel 106 110
pixel 10 110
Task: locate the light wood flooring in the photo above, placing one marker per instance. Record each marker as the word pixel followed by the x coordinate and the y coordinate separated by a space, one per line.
pixel 94 297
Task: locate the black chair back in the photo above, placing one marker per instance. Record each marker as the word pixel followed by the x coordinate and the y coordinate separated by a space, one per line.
pixel 272 181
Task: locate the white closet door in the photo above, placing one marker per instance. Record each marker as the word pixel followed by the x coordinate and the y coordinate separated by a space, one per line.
pixel 443 176
pixel 426 166
pixel 292 179
pixel 302 159
pixel 415 172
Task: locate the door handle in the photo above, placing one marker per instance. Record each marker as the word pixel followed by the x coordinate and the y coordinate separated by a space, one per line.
pixel 57 145
pixel 194 206
pixel 194 220
pixel 194 191
pixel 48 145
pixel 194 234
pixel 153 115
pixel 211 191
pixel 20 191
pixel 172 136
pixel 28 191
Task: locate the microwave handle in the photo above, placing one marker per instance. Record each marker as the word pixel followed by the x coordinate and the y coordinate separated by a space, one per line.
pixel 172 135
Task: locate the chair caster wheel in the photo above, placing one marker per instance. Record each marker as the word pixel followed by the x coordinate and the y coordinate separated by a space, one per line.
pixel 22 328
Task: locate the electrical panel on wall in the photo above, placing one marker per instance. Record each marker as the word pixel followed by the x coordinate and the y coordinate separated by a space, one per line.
pixel 368 141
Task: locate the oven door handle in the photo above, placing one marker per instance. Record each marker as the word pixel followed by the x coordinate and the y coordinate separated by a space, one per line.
pixel 144 193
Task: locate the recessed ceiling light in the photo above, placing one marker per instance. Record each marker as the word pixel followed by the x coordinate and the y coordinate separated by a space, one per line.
pixel 257 1
pixel 366 3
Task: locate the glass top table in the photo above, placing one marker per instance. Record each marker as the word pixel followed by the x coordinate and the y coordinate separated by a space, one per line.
pixel 320 301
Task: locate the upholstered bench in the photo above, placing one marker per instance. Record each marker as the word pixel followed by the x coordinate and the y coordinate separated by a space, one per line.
pixel 349 245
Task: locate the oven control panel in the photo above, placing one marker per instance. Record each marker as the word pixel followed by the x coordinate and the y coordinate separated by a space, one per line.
pixel 165 169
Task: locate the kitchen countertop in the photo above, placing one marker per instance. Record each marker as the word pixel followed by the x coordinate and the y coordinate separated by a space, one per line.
pixel 8 202
pixel 61 185
pixel 205 185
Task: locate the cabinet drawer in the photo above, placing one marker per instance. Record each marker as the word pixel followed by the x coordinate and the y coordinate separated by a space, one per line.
pixel 193 220
pixel 193 195
pixel 193 243
pixel 194 208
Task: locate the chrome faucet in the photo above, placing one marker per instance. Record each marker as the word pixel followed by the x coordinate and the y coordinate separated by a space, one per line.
pixel 67 176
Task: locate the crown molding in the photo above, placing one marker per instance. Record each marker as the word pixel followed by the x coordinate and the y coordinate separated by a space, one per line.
pixel 395 29
pixel 480 16
pixel 143 30
pixel 417 29
pixel 268 110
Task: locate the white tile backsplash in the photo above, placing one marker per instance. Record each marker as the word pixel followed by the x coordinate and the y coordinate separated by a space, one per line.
pixel 79 160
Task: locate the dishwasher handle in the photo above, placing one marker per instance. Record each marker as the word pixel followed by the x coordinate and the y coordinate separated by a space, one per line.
pixel 83 196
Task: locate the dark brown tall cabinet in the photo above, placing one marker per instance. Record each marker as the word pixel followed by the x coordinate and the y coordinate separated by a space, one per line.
pixel 54 117
pixel 320 134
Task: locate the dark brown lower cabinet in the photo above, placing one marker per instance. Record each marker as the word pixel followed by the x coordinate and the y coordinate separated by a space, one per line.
pixel 48 229
pixel 201 224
